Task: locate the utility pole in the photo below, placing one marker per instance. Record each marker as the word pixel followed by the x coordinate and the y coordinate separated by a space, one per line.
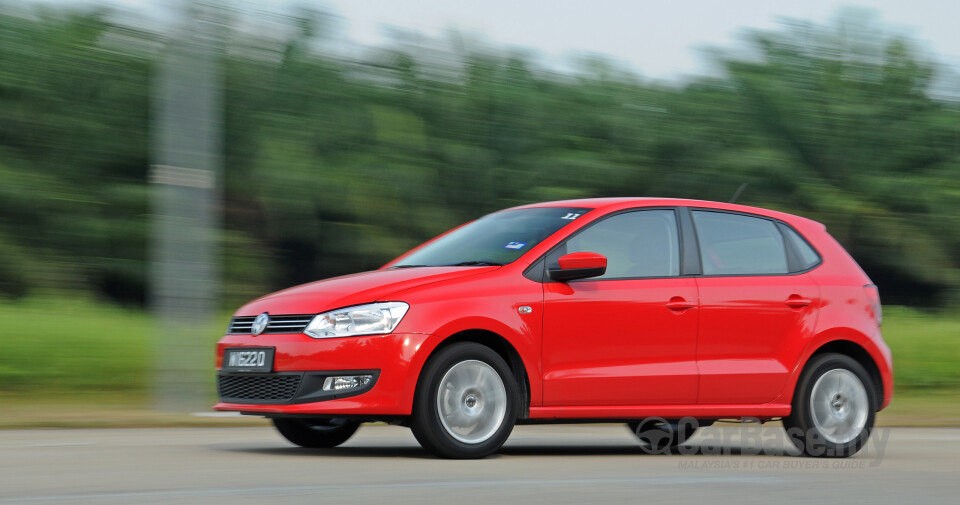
pixel 186 145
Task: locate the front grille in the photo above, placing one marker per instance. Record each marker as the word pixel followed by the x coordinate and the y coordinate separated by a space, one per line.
pixel 277 324
pixel 268 388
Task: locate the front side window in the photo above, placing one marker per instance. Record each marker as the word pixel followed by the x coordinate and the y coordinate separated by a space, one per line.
pixel 642 243
pixel 495 239
pixel 734 244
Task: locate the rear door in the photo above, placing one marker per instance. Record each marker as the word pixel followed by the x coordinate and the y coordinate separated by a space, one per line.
pixel 756 310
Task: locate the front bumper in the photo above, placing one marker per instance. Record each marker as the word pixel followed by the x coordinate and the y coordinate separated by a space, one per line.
pixel 302 363
pixel 281 388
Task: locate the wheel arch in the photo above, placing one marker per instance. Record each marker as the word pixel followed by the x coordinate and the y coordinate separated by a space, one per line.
pixel 859 354
pixel 502 347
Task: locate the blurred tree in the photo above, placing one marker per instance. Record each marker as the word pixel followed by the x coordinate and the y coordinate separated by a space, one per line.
pixel 337 164
pixel 865 144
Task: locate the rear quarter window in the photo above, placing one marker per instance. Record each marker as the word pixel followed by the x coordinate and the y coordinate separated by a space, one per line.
pixel 807 257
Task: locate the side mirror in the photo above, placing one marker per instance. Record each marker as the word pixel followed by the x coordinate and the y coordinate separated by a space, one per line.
pixel 579 265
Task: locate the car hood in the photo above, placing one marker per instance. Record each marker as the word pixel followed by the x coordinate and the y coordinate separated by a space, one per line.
pixel 354 289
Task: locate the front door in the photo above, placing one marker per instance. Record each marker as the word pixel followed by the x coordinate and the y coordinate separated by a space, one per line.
pixel 628 337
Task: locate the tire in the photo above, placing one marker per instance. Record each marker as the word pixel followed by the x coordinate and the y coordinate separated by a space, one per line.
pixel 316 433
pixel 466 402
pixel 834 407
pixel 659 436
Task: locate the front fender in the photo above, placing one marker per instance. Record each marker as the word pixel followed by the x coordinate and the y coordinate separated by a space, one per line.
pixel 525 343
pixel 489 303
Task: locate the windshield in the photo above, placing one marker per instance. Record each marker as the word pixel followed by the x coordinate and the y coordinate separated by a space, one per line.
pixel 495 239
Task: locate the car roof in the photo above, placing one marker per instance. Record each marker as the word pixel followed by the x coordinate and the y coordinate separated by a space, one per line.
pixel 617 203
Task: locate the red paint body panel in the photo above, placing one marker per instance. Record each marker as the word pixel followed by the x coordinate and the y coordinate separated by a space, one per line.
pixel 394 355
pixel 749 339
pixel 696 345
pixel 582 260
pixel 845 314
pixel 489 303
pixel 352 289
pixel 615 342
pixel 667 411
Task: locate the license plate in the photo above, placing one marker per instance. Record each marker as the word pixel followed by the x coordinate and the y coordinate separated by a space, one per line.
pixel 248 359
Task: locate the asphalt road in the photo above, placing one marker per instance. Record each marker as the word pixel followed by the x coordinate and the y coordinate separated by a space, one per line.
pixel 540 464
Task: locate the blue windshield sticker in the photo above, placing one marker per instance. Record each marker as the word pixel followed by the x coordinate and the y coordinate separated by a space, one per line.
pixel 515 245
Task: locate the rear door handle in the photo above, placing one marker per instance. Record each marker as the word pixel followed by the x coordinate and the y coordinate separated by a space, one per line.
pixel 678 303
pixel 797 302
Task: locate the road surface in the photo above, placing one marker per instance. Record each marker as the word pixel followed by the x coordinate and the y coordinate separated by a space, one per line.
pixel 557 464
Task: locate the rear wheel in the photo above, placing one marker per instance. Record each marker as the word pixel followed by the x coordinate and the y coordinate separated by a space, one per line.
pixel 833 408
pixel 316 433
pixel 466 402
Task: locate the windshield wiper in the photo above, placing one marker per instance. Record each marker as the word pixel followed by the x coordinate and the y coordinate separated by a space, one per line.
pixel 471 263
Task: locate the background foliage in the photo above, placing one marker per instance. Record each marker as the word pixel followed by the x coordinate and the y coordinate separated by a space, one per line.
pixel 335 165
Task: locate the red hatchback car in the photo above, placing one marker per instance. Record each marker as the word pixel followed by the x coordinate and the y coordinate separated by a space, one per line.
pixel 608 310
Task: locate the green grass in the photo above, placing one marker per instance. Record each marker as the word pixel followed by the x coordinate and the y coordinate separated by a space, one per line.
pixel 926 349
pixel 62 347
pixel 938 407
pixel 65 346
pixel 95 354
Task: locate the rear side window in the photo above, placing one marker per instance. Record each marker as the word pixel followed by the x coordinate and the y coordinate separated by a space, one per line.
pixel 734 244
pixel 642 243
pixel 807 257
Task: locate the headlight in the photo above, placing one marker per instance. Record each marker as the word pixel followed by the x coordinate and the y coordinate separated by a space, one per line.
pixel 370 319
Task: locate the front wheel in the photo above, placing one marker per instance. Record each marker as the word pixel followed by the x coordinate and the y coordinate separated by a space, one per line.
pixel 316 433
pixel 833 408
pixel 466 402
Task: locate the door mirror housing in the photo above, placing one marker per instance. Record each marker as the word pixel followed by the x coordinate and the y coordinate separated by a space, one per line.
pixel 578 265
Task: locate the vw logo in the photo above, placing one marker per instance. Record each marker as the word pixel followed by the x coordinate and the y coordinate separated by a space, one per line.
pixel 260 324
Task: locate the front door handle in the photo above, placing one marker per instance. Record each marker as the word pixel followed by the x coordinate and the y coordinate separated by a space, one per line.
pixel 795 302
pixel 678 303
